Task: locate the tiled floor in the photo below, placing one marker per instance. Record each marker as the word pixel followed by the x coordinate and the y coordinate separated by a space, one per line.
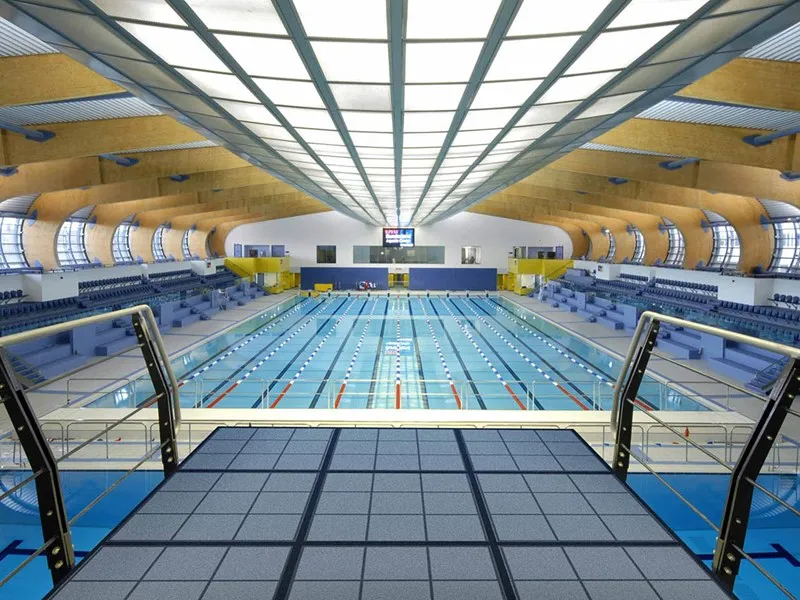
pixel 391 514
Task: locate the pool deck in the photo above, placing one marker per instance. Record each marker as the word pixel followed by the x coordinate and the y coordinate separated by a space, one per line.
pixel 366 514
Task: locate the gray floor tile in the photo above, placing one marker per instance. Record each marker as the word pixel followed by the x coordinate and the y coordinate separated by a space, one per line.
pixel 221 447
pixel 576 448
pixel 95 590
pixel 150 527
pixel 240 590
pixel 615 504
pixel 538 563
pixel 354 447
pixel 269 528
pixel 352 462
pixel 396 563
pixel 620 590
pixel 397 435
pixel 330 563
pixel 312 434
pixel 338 528
pixel 484 448
pixel 519 435
pixel 210 527
pixel 582 463
pixel 395 448
pixel 186 564
pixel 549 482
pixel 563 504
pixel 481 435
pixel 287 503
pixel 602 563
pixel 438 482
pixel 493 462
pixel 461 562
pixel 550 590
pixel 522 528
pixel 252 564
pixel 666 563
pixel 226 503
pixel 190 482
pixel 454 528
pixel 396 503
pixel 557 435
pixel 358 434
pixel 435 435
pixel 306 447
pixel 605 483
pixel 273 433
pixel 396 528
pixel 264 447
pixel 696 590
pixel 439 448
pixel 537 463
pixel 502 483
pixel 209 462
pixel 511 503
pixel 402 462
pixel 301 462
pixel 397 482
pixel 118 564
pixel 459 503
pixel 347 482
pixel 168 590
pixel 442 462
pixel 254 462
pixel 324 590
pixel 172 502
pixel 343 503
pixel 467 590
pixel 394 590
pixel 579 528
pixel 636 528
pixel 527 448
pixel 240 482
pixel 290 482
pixel 233 433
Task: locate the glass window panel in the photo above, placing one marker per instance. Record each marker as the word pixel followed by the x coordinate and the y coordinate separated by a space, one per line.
pixel 121 244
pixel 565 16
pixel 365 19
pixel 514 58
pixel 71 244
pixel 265 57
pixel 154 11
pixel 423 140
pixel 420 153
pixel 270 131
pixel 786 257
pixel 726 252
pixel 219 85
pixel 291 93
pixel 244 111
pixel 645 12
pixel 530 133
pixel 551 113
pixel 447 19
pixel 305 117
pixel 353 61
pixel 441 62
pixel 609 105
pixel 252 16
pixel 326 255
pixel 677 247
pixel 362 97
pixel 475 137
pixel 433 97
pixel 158 243
pixel 424 122
pixel 177 47
pixel 368 121
pixel 187 253
pixel 486 119
pixel 372 139
pixel 618 49
pixel 506 93
pixel 578 87
pixel 12 255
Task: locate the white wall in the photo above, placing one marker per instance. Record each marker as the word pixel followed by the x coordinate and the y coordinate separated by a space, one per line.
pixel 496 237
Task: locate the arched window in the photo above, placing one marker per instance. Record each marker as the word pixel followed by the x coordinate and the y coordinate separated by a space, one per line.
pixel 12 255
pixel 676 253
pixel 187 254
pixel 71 243
pixel 726 252
pixel 121 244
pixel 785 219
pixel 638 247
pixel 158 243
pixel 612 246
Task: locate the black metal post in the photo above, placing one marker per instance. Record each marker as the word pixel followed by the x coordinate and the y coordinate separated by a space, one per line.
pixel 52 512
pixel 163 395
pixel 736 514
pixel 624 423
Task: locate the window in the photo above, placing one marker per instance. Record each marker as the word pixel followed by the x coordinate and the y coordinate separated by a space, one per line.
pixel 71 244
pixel 158 243
pixel 726 251
pixel 786 258
pixel 676 252
pixel 470 255
pixel 187 254
pixel 612 246
pixel 638 248
pixel 209 253
pixel 12 255
pixel 121 244
pixel 419 255
pixel 326 255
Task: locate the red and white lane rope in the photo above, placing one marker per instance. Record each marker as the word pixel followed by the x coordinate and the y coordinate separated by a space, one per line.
pixel 241 345
pixel 524 357
pixel 447 373
pixel 268 356
pixel 360 342
pixel 397 366
pixel 311 356
pixel 485 358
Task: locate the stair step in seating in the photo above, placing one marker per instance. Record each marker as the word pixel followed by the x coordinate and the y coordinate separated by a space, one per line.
pixel 610 322
pixel 596 310
pixel 114 346
pixel 750 357
pixel 590 317
pixel 679 349
pixel 733 369
pixel 186 319
pixel 63 365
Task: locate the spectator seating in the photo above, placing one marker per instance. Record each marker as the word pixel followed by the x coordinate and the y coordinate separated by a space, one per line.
pixel 632 277
pixel 9 296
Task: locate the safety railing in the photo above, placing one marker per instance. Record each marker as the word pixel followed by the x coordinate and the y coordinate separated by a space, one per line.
pixel 25 427
pixel 761 444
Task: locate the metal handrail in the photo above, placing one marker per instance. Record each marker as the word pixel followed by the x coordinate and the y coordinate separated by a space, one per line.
pixel 141 309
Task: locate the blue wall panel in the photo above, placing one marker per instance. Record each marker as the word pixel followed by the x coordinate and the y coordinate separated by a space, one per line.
pixel 452 279
pixel 344 278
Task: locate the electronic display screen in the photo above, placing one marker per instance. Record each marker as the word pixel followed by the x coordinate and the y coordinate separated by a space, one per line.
pixel 394 237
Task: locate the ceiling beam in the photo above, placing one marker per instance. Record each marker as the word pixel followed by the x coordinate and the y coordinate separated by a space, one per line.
pixel 751 82
pixel 49 78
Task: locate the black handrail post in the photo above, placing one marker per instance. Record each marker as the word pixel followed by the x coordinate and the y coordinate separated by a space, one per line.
pixel 736 514
pixel 624 424
pixel 163 396
pixel 52 511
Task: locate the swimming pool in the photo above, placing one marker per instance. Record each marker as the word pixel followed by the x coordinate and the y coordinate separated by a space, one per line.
pixel 435 352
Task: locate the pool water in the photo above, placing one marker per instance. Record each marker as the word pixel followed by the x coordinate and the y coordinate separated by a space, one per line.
pixel 400 352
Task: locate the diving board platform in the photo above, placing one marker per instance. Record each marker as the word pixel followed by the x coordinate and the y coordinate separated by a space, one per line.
pixel 288 513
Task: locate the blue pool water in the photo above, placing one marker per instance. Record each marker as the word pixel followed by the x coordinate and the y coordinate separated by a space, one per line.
pixel 399 352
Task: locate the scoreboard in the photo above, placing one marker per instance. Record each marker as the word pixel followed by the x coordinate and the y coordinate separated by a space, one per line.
pixel 394 237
